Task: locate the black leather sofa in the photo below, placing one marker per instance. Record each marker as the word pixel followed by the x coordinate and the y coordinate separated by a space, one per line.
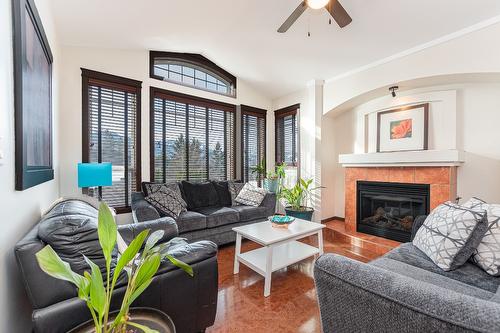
pixel 210 215
pixel 71 229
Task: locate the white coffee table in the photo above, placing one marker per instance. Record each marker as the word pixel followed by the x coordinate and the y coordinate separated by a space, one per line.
pixel 280 247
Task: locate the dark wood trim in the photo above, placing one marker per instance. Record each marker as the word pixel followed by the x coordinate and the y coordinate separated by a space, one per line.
pixel 155 92
pixel 292 110
pixel 286 111
pixel 405 108
pixel 90 77
pixel 28 176
pixel 111 81
pixel 333 218
pixel 196 60
pixel 193 100
pixel 260 114
pixel 246 109
pixel 151 135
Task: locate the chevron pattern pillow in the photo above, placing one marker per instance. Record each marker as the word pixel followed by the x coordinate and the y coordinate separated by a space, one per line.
pixel 487 253
pixel 450 234
pixel 234 189
pixel 251 195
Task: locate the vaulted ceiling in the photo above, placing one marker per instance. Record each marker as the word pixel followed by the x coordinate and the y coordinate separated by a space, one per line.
pixel 241 37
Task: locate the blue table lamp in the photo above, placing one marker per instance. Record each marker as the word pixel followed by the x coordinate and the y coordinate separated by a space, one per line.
pixel 94 175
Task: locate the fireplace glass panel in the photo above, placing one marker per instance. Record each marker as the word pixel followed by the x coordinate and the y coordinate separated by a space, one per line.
pixel 389 209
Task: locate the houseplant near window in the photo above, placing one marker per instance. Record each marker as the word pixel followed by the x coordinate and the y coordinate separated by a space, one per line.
pixel 139 267
pixel 297 198
pixel 259 170
pixel 273 180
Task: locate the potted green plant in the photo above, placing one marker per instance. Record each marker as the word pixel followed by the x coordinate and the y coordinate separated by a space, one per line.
pixel 273 179
pixel 297 198
pixel 259 170
pixel 140 268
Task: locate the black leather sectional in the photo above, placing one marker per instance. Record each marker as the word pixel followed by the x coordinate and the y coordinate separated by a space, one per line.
pixel 71 229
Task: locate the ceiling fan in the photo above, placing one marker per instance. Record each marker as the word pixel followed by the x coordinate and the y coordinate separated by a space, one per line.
pixel 334 7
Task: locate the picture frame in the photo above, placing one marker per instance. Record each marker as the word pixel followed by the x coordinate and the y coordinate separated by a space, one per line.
pixel 403 129
pixel 32 97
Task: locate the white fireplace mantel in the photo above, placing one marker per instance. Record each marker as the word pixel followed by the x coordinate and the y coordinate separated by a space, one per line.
pixel 404 158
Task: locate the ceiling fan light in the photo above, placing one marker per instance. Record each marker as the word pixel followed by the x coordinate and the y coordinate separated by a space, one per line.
pixel 317 4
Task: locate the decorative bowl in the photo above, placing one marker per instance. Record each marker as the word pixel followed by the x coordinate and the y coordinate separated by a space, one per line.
pixel 281 221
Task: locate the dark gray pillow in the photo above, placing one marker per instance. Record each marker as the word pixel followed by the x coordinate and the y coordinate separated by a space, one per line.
pixel 450 234
pixel 223 192
pixel 199 195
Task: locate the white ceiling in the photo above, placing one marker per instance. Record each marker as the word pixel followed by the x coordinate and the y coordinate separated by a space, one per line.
pixel 241 37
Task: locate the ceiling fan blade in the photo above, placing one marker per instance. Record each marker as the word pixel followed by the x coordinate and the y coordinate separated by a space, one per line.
pixel 338 13
pixel 293 17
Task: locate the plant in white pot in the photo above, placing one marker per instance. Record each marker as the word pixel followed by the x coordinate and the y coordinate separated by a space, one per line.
pixel 139 267
pixel 274 179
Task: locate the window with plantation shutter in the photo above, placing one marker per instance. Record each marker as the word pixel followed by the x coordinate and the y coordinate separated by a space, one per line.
pixel 111 128
pixel 286 127
pixel 191 138
pixel 253 143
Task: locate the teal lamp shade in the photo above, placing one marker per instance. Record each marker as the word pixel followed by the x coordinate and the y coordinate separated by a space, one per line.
pixel 94 174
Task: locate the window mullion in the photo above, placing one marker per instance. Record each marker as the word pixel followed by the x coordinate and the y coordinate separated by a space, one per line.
pixel 207 148
pixel 187 141
pixel 125 142
pixel 164 139
pixel 99 134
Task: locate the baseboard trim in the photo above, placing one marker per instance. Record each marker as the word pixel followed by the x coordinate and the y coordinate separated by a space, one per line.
pixel 332 219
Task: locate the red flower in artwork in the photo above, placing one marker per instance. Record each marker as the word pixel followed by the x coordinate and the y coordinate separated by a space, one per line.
pixel 401 129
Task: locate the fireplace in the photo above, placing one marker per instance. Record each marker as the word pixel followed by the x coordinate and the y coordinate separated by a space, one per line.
pixel 388 209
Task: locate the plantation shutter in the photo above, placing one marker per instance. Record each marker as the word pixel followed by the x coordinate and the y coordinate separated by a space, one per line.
pixel 253 129
pixel 286 127
pixel 191 139
pixel 111 121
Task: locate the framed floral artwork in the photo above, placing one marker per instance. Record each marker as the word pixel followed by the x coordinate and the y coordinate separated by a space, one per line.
pixel 403 129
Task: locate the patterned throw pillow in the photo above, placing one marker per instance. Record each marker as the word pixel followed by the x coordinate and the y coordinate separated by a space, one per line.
pixel 251 195
pixel 487 253
pixel 234 190
pixel 149 188
pixel 450 234
pixel 167 201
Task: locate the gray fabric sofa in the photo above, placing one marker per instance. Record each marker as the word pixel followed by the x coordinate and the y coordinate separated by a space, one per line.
pixel 404 291
pixel 210 215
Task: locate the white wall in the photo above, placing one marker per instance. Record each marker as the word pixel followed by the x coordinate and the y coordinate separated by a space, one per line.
pixel 134 65
pixel 463 116
pixel 310 138
pixel 475 52
pixel 19 211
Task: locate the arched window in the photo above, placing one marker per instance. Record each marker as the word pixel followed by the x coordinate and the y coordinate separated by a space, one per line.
pixel 192 70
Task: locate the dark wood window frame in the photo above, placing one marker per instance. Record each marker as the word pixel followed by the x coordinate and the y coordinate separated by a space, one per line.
pixel 196 60
pixel 155 92
pixel 292 110
pixel 113 82
pixel 261 114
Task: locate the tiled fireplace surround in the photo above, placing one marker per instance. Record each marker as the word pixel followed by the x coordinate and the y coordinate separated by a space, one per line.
pixel 442 181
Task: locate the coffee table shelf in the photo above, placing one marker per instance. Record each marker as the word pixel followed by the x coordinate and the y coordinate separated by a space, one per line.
pixel 283 255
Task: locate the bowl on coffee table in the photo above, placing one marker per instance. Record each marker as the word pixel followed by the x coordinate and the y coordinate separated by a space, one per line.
pixel 281 221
